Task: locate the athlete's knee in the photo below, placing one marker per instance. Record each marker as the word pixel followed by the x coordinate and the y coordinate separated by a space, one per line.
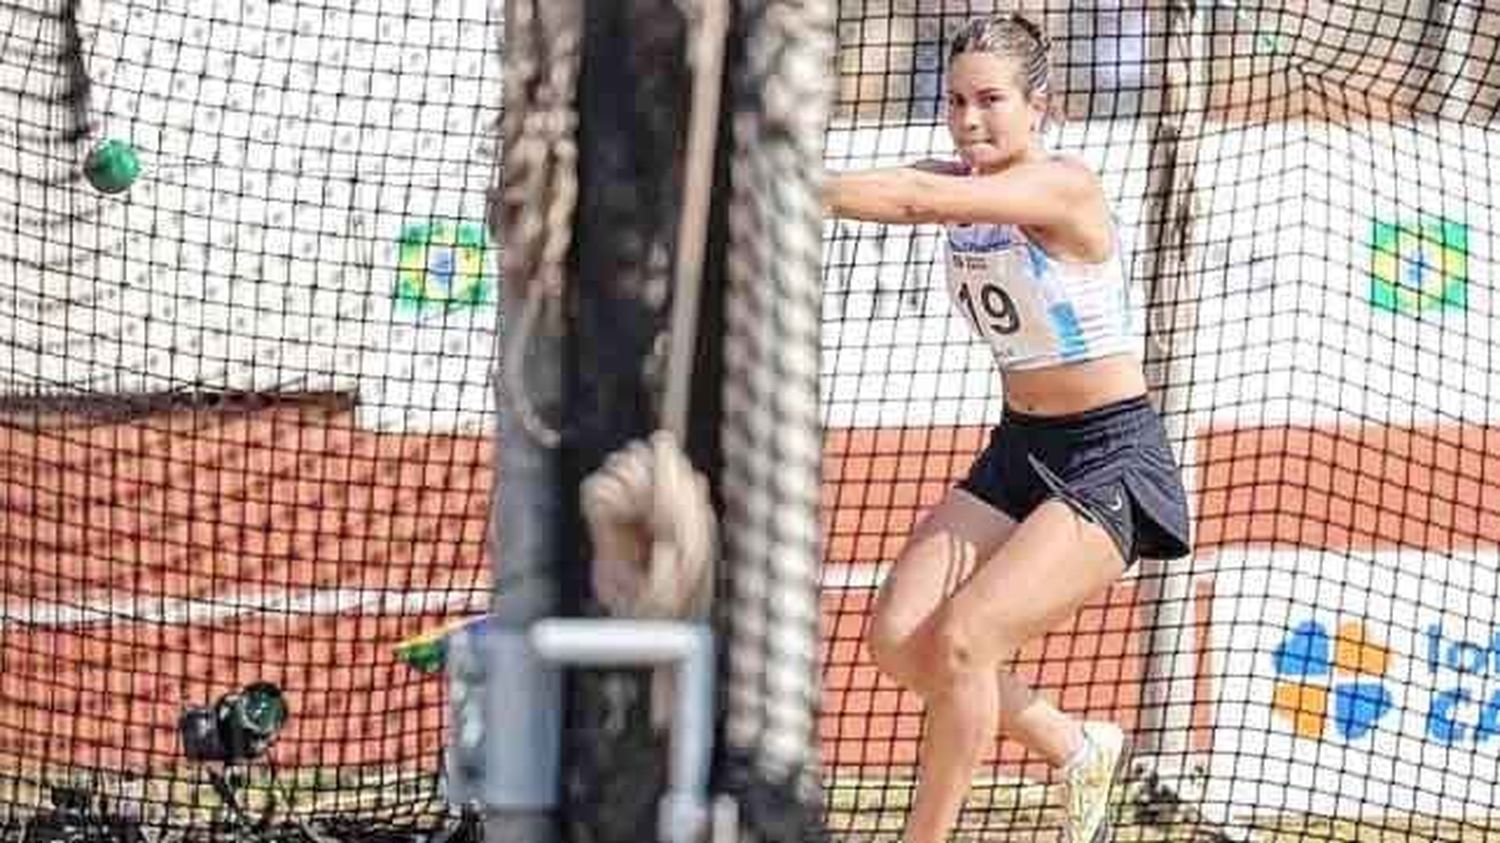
pixel 907 657
pixel 962 647
pixel 890 648
pixel 941 655
pixel 954 652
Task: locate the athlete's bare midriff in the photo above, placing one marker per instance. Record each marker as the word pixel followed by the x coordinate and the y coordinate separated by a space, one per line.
pixel 1074 387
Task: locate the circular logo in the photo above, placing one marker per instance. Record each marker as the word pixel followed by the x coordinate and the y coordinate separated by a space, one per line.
pixel 442 264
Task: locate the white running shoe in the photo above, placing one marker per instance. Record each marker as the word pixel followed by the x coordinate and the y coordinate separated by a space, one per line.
pixel 1089 785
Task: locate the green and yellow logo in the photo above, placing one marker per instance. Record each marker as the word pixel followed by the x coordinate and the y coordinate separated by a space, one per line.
pixel 441 264
pixel 1419 267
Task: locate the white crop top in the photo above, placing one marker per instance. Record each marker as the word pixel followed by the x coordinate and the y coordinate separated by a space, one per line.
pixel 1034 310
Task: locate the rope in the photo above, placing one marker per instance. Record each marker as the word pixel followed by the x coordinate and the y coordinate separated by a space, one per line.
pixel 654 532
pixel 655 535
pixel 771 429
pixel 706 33
pixel 541 158
pixel 649 513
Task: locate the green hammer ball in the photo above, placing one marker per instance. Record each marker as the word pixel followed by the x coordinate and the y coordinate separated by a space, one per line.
pixel 112 166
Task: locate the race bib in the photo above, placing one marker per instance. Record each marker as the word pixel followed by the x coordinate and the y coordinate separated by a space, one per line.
pixel 1013 318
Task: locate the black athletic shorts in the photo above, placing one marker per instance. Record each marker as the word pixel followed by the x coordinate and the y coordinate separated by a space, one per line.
pixel 1112 464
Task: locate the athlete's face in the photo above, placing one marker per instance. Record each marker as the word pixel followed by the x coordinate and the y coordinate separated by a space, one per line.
pixel 992 120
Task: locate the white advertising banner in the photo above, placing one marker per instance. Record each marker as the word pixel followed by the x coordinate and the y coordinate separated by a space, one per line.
pixel 1354 685
pixel 310 213
pixel 1333 276
pixel 1344 273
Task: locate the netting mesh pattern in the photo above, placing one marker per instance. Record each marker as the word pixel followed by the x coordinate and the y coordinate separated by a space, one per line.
pixel 246 400
pixel 1304 190
pixel 245 358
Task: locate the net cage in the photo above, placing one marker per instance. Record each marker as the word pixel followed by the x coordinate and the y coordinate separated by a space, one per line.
pixel 248 338
pixel 1304 194
pixel 247 318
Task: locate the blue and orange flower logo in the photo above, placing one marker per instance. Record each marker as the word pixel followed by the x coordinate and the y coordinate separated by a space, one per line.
pixel 1313 667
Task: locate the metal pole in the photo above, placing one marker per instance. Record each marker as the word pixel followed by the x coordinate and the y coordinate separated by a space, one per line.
pixel 523 535
pixel 530 212
pixel 1167 587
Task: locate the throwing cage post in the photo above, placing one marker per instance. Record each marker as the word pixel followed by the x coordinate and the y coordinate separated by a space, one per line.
pixel 675 269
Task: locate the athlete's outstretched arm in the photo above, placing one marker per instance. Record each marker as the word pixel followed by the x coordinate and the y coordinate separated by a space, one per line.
pixel 1039 193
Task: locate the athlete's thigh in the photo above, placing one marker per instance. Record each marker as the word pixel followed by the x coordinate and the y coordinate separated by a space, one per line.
pixel 1046 569
pixel 942 552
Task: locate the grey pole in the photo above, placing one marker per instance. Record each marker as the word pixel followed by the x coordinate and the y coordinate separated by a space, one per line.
pixel 530 211
pixel 523 535
pixel 1165 750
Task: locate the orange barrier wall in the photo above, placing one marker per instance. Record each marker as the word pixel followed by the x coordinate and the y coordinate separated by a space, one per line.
pixel 129 519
